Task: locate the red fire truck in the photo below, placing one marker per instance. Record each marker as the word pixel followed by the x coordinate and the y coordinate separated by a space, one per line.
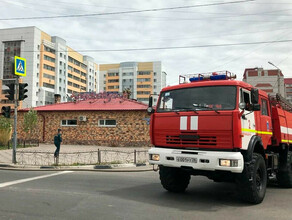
pixel 224 129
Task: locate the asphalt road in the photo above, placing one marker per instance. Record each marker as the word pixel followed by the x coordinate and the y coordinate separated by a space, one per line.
pixel 98 195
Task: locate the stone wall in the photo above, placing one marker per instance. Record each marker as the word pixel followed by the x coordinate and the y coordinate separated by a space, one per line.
pixel 131 128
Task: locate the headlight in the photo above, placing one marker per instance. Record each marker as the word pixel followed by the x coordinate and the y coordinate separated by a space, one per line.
pixel 155 157
pixel 228 163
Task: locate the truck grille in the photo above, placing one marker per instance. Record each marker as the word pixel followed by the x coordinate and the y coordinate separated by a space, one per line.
pixel 200 141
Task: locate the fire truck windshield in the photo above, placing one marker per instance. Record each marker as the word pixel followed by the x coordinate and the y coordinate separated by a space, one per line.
pixel 209 98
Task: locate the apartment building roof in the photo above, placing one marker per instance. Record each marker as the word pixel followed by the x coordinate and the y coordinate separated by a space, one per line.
pixel 102 104
pixel 263 85
pixel 288 80
pixel 254 72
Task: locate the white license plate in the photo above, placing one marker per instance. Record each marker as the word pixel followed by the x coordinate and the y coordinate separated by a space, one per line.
pixel 186 159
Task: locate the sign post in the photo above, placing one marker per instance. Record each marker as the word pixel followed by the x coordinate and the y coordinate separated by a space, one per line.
pixel 19 70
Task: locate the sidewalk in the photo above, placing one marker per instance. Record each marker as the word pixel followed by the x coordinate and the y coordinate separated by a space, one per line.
pixel 76 157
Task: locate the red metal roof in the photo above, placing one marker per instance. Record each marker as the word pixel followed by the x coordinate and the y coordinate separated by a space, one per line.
pixel 288 80
pixel 254 72
pixel 263 85
pixel 107 104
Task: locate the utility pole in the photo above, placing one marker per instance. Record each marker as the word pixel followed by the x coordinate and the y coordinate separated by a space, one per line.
pixel 15 121
pixel 278 77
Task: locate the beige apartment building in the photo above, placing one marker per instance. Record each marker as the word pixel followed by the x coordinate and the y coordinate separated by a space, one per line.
pixel 140 78
pixel 52 66
pixel 270 81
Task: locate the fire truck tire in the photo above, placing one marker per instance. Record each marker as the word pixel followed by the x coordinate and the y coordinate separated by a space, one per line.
pixel 252 182
pixel 284 176
pixel 174 179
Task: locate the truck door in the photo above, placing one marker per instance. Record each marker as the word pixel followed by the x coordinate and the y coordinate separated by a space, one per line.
pixel 265 122
pixel 248 128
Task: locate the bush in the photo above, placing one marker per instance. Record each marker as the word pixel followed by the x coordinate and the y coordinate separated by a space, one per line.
pixel 5 130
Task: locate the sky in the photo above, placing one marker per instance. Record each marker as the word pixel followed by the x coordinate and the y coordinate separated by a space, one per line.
pixel 215 34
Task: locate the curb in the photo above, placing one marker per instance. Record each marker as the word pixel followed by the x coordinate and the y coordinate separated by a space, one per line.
pixel 96 168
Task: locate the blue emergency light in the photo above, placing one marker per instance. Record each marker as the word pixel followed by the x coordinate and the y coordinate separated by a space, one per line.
pixel 218 75
pixel 215 77
pixel 194 79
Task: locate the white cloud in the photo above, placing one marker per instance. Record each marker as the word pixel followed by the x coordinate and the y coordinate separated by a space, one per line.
pixel 262 20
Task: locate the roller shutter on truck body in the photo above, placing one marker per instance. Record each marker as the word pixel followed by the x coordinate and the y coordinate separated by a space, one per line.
pixel 282 125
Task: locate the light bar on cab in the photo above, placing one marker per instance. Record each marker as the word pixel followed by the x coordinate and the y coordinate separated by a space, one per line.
pixel 219 75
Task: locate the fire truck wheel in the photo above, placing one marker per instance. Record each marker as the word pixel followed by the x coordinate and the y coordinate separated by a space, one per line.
pixel 284 176
pixel 252 182
pixel 174 179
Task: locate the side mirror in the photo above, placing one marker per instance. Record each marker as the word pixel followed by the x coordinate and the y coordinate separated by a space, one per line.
pixel 242 105
pixel 150 110
pixel 256 107
pixel 254 96
pixel 150 103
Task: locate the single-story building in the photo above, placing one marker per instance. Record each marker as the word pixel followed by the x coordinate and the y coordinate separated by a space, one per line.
pixel 111 121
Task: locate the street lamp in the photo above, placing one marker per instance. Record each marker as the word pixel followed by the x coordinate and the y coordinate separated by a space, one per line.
pixel 277 76
pixel 273 65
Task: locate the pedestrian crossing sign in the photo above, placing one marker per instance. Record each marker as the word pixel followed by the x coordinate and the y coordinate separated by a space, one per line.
pixel 20 66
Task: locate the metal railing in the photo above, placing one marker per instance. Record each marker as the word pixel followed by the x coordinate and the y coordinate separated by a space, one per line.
pixel 100 157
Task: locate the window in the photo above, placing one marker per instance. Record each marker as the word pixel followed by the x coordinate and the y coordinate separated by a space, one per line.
pixel 144 73
pixel 198 99
pixel 49 76
pixel 142 99
pixel 114 80
pixel 143 92
pixel 107 123
pixel 113 74
pixel 265 107
pixel 128 74
pixel 51 59
pixel 47 67
pixel 143 80
pixel 143 86
pixel 47 85
pixel 71 122
pixel 49 50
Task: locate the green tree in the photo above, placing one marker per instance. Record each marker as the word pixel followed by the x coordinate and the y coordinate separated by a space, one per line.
pixel 5 130
pixel 30 121
pixel 127 92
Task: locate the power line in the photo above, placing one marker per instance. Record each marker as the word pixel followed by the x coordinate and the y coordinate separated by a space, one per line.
pixel 194 37
pixel 250 52
pixel 186 47
pixel 171 48
pixel 124 12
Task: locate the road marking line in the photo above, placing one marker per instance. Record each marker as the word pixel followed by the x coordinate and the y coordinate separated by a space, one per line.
pixel 31 179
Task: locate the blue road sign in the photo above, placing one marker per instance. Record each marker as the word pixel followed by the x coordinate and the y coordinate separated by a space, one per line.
pixel 20 66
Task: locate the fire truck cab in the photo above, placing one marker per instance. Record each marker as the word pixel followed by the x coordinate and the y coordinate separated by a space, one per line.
pixel 223 129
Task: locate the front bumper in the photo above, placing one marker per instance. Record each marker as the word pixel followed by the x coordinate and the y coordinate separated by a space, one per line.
pixel 202 160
